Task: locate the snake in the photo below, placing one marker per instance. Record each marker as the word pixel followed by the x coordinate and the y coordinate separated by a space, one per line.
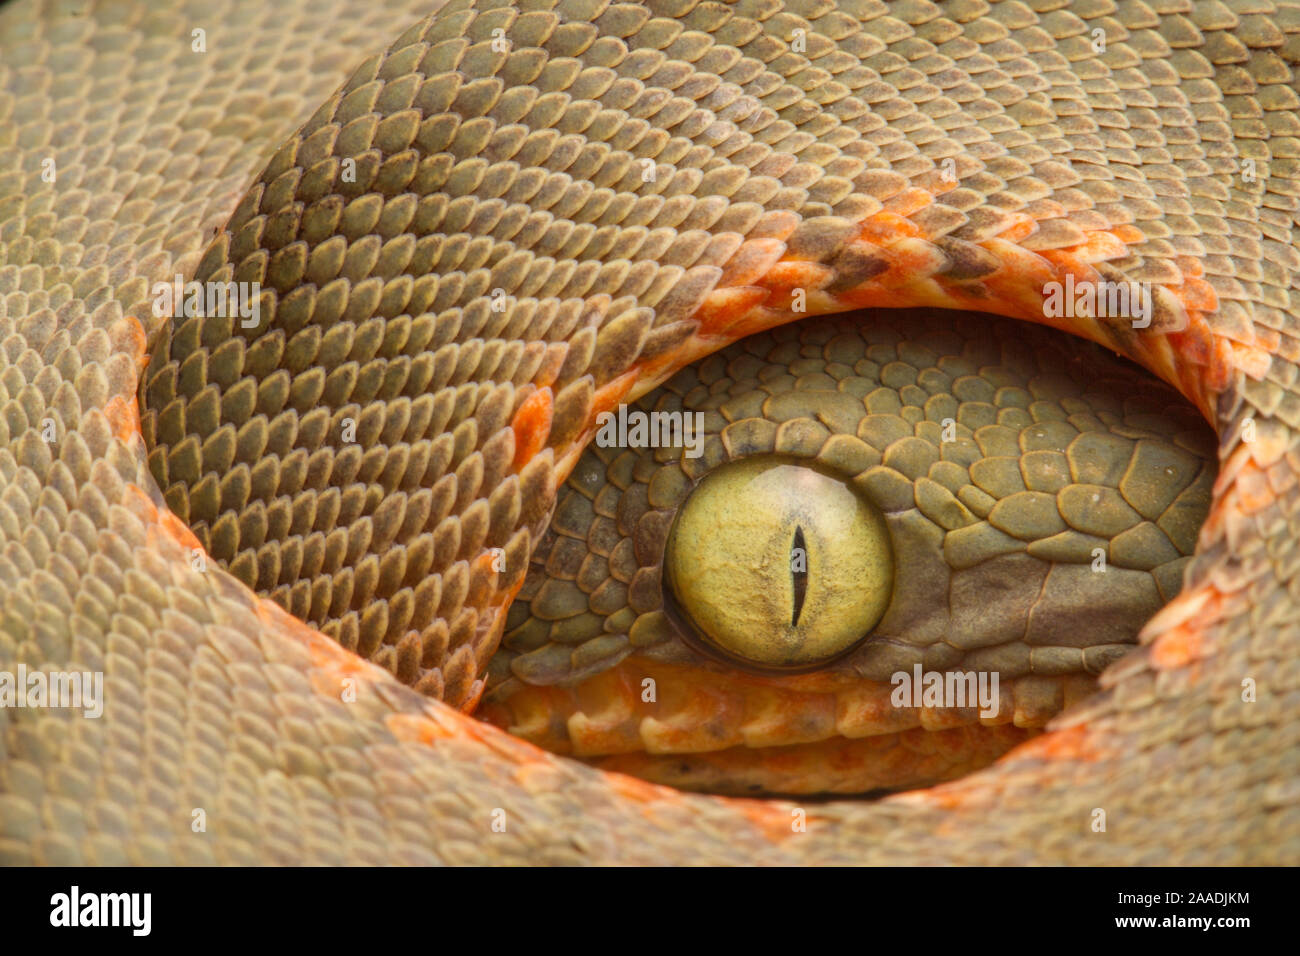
pixel 475 226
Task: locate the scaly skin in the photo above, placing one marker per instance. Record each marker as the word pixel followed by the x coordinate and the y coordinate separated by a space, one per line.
pixel 1127 163
pixel 989 575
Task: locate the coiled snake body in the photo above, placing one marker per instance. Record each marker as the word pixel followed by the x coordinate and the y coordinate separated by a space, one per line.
pixel 644 183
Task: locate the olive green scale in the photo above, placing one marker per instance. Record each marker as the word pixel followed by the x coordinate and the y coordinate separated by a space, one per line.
pixel 1029 483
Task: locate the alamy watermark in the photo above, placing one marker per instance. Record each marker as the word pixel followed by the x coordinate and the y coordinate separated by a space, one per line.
pixel 1098 300
pixel 53 689
pixel 190 299
pixel 637 429
pixel 946 689
pixel 75 908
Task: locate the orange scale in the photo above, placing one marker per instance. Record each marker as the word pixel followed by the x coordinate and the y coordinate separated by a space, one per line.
pixel 123 414
pixel 886 227
pixel 751 262
pixel 1190 266
pixel 532 425
pixel 910 201
pixel 1180 646
pixel 1020 228
pixel 723 308
pixel 1128 233
pixel 1198 294
pixel 797 274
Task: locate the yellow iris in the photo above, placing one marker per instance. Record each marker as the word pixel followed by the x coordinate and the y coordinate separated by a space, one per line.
pixel 777 565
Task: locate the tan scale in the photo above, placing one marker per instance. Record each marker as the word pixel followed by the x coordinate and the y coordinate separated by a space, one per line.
pixel 955 154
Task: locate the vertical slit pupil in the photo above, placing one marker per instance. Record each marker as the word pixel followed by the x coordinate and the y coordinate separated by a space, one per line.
pixel 799 572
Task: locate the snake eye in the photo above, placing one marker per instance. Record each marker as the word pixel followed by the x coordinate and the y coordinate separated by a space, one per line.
pixel 774 565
